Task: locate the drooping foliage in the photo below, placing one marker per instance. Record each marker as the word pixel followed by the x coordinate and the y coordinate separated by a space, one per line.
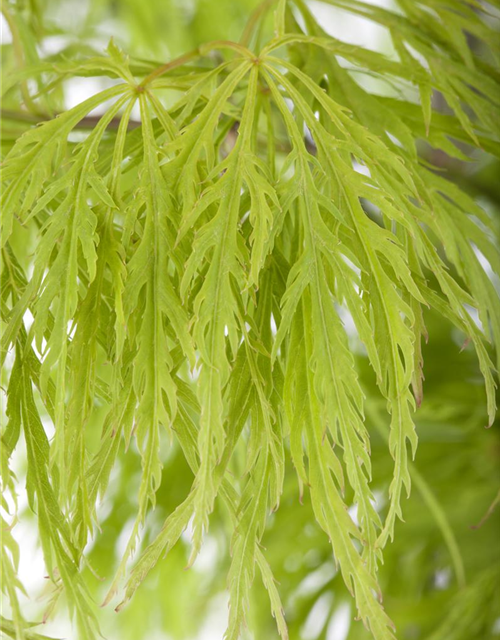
pixel 208 234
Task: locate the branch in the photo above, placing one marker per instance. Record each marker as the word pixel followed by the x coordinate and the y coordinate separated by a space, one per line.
pixel 88 122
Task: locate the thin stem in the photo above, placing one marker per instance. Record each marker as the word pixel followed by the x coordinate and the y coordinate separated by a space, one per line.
pixel 491 508
pixel 255 18
pixel 173 64
pixel 196 53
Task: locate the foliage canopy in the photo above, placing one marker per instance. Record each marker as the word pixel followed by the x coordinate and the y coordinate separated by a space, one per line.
pixel 202 246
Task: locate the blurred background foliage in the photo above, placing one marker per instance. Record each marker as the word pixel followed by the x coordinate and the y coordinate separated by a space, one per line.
pixel 441 574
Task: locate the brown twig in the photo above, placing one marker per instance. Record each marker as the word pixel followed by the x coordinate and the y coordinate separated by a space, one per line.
pixel 88 122
pixel 196 53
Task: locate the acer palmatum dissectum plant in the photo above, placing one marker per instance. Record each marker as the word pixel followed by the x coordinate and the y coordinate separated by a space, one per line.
pixel 178 272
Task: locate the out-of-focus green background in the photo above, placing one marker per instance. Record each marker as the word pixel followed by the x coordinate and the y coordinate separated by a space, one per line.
pixel 434 589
